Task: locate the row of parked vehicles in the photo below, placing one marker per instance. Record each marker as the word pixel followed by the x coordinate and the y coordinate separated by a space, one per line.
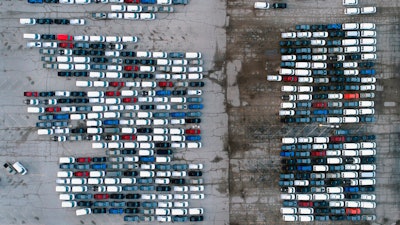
pixel 158 2
pixel 135 182
pixel 328 177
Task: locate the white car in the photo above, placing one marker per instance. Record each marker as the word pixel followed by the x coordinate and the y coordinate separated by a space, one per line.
pixel 304 34
pixel 165 196
pixel 181 196
pixel 274 77
pixel 67 1
pixel 49 44
pixel 288 35
pixel 148 196
pixel 368 33
pixel 77 21
pixel 367 26
pixel 368 49
pixel 147 16
pixel 194 92
pixel 320 34
pixel 197 188
pixel 115 15
pixel 82 1
pixel 351 11
pixel 368 80
pixel 34 44
pixel 195 166
pixel 161 180
pixel 181 188
pixel 134 8
pixel 350 2
pixel 261 5
pixel 196 196
pixel 27 21
pixel 81 38
pixel 368 10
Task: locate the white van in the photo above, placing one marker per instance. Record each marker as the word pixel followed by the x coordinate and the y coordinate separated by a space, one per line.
pixel 97 38
pixel 347 42
pixel 35 109
pixel 364 182
pixel 303 65
pixel 352 49
pixel 163 159
pixel 367 167
pixel 68 204
pixel 162 212
pixel 286 88
pixel 158 122
pixel 177 99
pixel 193 145
pixel 81 212
pixel 334 120
pixel 290 218
pixel 160 137
pixel 160 55
pixel 143 54
pixel 77 59
pixel 288 210
pixel 304 89
pixel 97 173
pixel 320 168
pixel 67 197
pixel 194 76
pixel 114 188
pixel 300 72
pixel 349 174
pixel 284 71
pixel 367 174
pixel 179 212
pixel 64 174
pixel 319 197
pixel 288 105
pixel 368 145
pixel 350 26
pixel 351 145
pixel 32 36
pixel 289 140
pixel 334 189
pixel 66 160
pixel 351 119
pixel 193 55
pixel 304 197
pixel 145 173
pixel 19 168
pixel 177 138
pixel 63 188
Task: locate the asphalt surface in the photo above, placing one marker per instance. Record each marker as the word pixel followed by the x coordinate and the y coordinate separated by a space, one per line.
pixel 241 129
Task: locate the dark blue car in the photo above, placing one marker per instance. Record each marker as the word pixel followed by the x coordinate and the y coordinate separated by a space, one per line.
pixel 61 116
pixel 367 72
pixel 351 189
pixel 195 106
pixel 171 54
pixel 111 122
pixel 304 168
pixel 147 159
pixel 177 114
pixel 116 211
pixel 35 1
pixel 320 112
pixel 99 166
pixel 193 138
pixel 334 26
pixel 288 147
pixel 287 154
pixel 163 92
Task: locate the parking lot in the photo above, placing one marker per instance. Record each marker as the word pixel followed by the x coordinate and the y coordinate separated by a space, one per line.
pixel 241 161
